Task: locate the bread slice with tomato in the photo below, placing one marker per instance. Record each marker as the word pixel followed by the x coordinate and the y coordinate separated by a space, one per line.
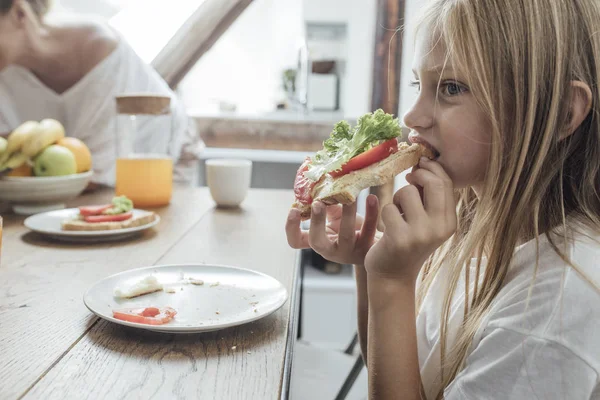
pixel 117 215
pixel 353 160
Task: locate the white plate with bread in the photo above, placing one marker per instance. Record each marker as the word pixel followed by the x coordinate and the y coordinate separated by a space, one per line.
pixel 64 225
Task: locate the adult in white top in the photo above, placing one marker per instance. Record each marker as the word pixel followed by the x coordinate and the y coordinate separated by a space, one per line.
pixel 72 72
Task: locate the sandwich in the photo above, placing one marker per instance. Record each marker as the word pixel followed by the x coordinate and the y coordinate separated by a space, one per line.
pixel 354 159
pixel 117 215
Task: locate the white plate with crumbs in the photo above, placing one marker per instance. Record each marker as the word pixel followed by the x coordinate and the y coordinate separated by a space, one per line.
pixel 206 297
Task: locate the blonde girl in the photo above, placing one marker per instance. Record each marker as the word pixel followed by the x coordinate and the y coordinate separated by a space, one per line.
pixel 493 296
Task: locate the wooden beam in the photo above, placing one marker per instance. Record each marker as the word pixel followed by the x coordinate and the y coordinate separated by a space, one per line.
pixel 195 37
pixel 387 63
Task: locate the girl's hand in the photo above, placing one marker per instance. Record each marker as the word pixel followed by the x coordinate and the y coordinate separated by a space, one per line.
pixel 414 227
pixel 336 232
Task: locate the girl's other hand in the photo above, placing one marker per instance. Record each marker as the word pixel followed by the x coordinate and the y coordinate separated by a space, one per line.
pixel 336 232
pixel 415 224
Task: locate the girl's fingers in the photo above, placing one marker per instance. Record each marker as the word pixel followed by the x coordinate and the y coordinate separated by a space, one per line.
pixel 334 212
pixel 435 168
pixel 317 236
pixel 369 226
pixel 436 190
pixel 347 233
pixel 392 219
pixel 296 237
pixel 408 200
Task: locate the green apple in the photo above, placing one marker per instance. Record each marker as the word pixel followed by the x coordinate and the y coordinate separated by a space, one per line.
pixel 55 161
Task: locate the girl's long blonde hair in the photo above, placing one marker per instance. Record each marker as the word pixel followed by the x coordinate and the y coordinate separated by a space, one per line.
pixel 521 57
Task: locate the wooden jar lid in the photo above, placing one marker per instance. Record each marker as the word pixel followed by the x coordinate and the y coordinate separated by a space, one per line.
pixel 143 104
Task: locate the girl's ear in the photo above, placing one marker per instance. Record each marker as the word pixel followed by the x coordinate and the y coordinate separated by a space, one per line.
pixel 581 104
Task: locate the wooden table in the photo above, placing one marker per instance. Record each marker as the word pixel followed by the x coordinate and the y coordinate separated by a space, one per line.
pixel 52 347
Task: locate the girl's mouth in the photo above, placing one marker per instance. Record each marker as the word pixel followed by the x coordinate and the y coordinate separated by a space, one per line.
pixel 414 137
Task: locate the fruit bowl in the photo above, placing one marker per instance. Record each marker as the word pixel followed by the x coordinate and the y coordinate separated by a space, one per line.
pixel 32 195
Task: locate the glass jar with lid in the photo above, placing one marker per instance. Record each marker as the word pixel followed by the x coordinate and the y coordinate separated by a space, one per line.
pixel 144 170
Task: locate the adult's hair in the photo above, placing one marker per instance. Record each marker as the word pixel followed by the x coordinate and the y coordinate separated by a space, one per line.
pixel 40 7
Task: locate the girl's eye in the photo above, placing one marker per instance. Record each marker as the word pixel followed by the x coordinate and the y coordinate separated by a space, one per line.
pixel 416 84
pixel 452 89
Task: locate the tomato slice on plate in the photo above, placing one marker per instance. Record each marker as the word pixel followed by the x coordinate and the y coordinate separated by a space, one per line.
pixel 147 315
pixel 93 210
pixel 302 185
pixel 108 218
pixel 150 312
pixel 367 158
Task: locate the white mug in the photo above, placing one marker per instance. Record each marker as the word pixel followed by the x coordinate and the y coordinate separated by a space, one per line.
pixel 228 180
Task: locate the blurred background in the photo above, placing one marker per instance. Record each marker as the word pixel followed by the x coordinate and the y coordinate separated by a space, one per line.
pixel 278 59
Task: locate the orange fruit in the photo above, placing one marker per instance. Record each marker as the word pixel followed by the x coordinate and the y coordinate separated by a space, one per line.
pixel 23 170
pixel 83 156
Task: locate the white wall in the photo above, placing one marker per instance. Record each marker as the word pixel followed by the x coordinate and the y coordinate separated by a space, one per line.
pixel 361 44
pixel 329 10
pixel 245 66
pixel 359 17
pixel 99 8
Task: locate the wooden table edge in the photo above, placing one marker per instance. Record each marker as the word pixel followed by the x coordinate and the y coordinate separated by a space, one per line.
pixel 292 331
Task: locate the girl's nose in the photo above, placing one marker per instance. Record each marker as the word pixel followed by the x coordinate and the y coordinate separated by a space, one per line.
pixel 419 117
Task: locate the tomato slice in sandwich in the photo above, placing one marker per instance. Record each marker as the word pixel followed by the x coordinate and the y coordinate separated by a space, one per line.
pixel 371 156
pixel 93 210
pixel 108 218
pixel 148 315
pixel 302 185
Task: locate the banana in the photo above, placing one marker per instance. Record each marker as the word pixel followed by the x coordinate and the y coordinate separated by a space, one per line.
pixel 49 132
pixel 4 157
pixel 15 161
pixel 3 145
pixel 20 136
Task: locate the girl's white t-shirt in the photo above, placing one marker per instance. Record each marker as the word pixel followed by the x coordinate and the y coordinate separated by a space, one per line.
pixel 88 110
pixel 538 341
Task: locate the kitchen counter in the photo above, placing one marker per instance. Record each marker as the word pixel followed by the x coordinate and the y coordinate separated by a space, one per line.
pixel 279 130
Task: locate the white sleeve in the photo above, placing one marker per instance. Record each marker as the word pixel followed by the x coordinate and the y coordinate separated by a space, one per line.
pixel 511 365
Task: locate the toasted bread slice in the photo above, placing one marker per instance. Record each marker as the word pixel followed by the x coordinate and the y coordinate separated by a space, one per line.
pixel 346 188
pixel 81 225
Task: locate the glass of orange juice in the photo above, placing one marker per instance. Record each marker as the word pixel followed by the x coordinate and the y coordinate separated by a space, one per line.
pixel 144 170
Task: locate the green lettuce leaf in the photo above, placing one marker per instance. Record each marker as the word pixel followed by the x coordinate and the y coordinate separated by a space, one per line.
pixel 342 132
pixel 344 142
pixel 120 205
